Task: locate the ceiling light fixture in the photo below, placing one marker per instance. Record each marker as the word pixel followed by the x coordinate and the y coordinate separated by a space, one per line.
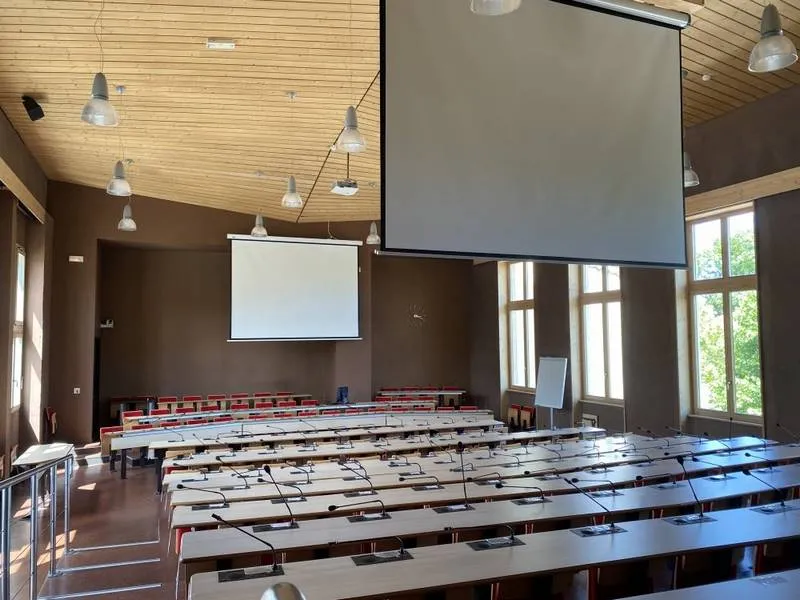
pixel 118 185
pixel 126 223
pixel 690 178
pixel 373 239
pixel 346 186
pixel 494 8
pixel 774 51
pixel 291 199
pixel 98 110
pixel 220 44
pixel 351 140
pixel 259 230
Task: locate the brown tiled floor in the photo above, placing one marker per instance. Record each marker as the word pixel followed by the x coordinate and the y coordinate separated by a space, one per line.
pixel 105 511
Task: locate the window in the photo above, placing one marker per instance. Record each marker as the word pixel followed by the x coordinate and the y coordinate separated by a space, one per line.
pixel 601 332
pixel 724 313
pixel 521 328
pixel 19 329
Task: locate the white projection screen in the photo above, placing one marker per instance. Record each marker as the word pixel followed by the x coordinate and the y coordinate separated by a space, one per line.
pixel 553 132
pixel 286 289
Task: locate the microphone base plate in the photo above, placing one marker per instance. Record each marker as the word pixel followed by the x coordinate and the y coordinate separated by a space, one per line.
pixel 486 482
pixel 605 494
pixel 598 530
pixel 553 477
pixel 410 474
pixel 529 501
pixel 360 494
pixel 379 558
pixel 210 506
pixel 492 543
pixel 369 517
pixel 290 500
pixel 693 519
pixel 245 574
pixel 669 486
pixel 443 462
pixel 720 477
pixel 452 508
pixel 774 509
pixel 276 526
pixel 427 488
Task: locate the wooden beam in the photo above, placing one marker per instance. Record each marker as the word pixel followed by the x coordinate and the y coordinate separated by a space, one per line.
pixel 686 6
pixel 743 193
pixel 20 172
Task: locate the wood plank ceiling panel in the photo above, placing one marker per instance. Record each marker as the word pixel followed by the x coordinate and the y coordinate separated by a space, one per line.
pixel 217 129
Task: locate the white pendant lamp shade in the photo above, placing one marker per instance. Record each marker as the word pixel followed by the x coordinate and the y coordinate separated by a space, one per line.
pixel 774 51
pixel 494 8
pixel 118 185
pixel 283 591
pixel 98 110
pixel 259 230
pixel 690 178
pixel 373 239
pixel 291 199
pixel 351 140
pixel 126 223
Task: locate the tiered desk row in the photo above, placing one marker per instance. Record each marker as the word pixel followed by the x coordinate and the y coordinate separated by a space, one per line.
pixel 425 500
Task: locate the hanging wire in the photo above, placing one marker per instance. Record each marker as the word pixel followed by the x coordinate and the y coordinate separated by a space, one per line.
pixel 350 43
pixel 97 34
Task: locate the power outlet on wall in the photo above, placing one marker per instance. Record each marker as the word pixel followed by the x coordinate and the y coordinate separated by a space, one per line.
pixel 76 391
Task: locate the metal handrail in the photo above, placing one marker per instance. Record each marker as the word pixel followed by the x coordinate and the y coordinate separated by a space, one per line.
pixel 32 476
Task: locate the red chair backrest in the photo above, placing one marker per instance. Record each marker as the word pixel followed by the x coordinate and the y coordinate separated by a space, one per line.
pixel 111 429
pixel 410 388
pixel 209 408
pixel 263 394
pixel 424 409
pixel 516 406
pixel 240 406
pixel 382 399
pixel 351 411
pixel 254 417
pixel 286 403
pixel 156 412
pixel 142 426
pixel 385 389
pixel 284 414
pixel 468 407
pixel 283 393
pixel 182 410
pixel 307 413
pixel 399 410
pixel 196 421
pixel 194 398
pixel 309 402
pixel 132 413
pixel 162 399
pixel 528 409
pixel 223 419
pixel 445 408
pixel 239 395
pixel 217 397
pixel 264 404
pixel 450 388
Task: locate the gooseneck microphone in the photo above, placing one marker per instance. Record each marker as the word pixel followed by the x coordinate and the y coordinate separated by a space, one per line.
pixel 180 486
pixel 500 485
pixel 781 493
pixel 789 432
pixel 674 430
pixel 443 449
pixel 460 452
pixel 199 439
pixel 394 463
pixel 490 476
pixel 334 507
pixel 691 487
pixel 768 461
pixel 364 477
pixel 268 471
pixel 232 468
pixel 556 452
pixel 420 471
pixel 276 567
pixel 722 472
pixel 179 434
pixel 645 456
pixel 418 477
pixel 298 498
pixel 608 481
pixel 721 443
pixel 514 456
pixel 573 481
pixel 360 467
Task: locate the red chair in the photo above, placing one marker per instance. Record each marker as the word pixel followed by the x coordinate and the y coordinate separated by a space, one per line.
pixel 216 397
pixel 385 389
pixel 223 419
pixel 382 399
pixel 450 388
pixel 209 408
pixel 526 416
pixel 286 403
pixel 196 422
pixel 264 404
pixel 308 402
pixel 140 426
pixel 166 399
pixel 126 414
pixel 400 410
pixel 284 415
pixel 111 429
pixel 307 413
pixel 445 409
pixel 429 388
pixel 424 409
pixel 194 400
pixel 184 410
pixel 468 407
pixel 240 396
pixel 283 393
pixel 159 412
pixel 263 395
pixel 256 417
pixel 351 411
pixel 410 388
pixel 240 406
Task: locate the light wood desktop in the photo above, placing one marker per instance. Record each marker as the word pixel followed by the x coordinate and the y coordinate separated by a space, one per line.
pixel 774 586
pixel 458 565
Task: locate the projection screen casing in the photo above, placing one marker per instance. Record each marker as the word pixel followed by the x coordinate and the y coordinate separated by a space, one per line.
pixel 287 289
pixel 550 133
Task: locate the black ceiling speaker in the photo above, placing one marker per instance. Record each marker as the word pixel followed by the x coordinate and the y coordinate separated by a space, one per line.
pixel 35 112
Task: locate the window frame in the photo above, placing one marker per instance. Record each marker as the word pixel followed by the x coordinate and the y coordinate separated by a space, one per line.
pixel 725 285
pixel 18 333
pixel 604 298
pixel 523 306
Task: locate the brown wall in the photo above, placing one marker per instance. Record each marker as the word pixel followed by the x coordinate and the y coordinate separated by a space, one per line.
pixel 485 357
pixel 436 352
pixel 171 313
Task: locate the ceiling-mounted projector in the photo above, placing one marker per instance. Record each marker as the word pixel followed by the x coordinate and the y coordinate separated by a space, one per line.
pixel 345 187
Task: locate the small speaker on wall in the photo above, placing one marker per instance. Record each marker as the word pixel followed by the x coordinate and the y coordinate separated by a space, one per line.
pixel 32 107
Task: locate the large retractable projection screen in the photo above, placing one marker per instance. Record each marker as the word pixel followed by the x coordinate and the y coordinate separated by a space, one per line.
pixel 553 132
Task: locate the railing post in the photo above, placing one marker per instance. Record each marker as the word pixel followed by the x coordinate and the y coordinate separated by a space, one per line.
pixel 5 541
pixel 67 478
pixel 53 517
pixel 33 581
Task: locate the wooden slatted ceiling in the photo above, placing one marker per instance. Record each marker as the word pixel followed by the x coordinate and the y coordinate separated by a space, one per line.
pixel 216 128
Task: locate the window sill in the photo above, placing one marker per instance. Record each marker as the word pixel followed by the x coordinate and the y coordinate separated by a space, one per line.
pixel 604 402
pixel 754 421
pixel 14 409
pixel 521 390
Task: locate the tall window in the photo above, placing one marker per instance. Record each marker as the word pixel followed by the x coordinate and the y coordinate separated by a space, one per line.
pixel 521 332
pixel 724 302
pixel 19 330
pixel 601 332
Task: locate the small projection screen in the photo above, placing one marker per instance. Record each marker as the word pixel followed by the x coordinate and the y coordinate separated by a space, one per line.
pixel 287 289
pixel 552 133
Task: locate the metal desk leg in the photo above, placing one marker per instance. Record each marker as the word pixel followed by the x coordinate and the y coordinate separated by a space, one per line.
pixel 123 468
pixel 159 454
pixel 112 461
